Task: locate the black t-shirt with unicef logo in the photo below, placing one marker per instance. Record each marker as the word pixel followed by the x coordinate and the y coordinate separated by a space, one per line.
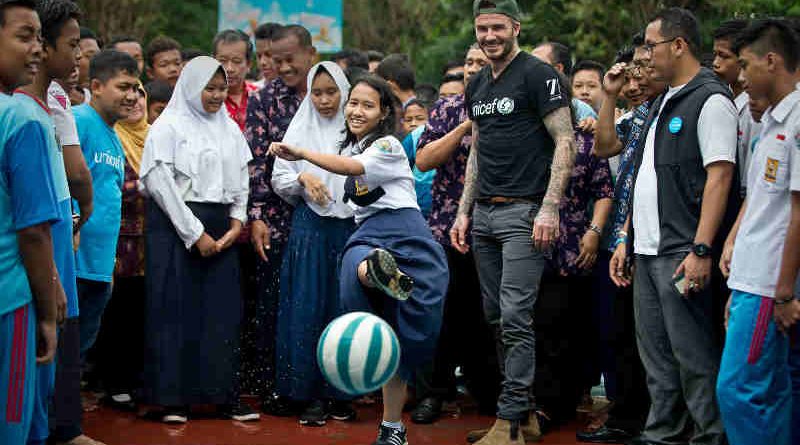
pixel 515 149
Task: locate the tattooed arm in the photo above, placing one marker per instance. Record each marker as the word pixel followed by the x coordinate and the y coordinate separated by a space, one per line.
pixel 545 226
pixel 458 233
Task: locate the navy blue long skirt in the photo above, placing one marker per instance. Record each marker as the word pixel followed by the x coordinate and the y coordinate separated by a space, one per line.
pixel 193 308
pixel 309 300
pixel 416 321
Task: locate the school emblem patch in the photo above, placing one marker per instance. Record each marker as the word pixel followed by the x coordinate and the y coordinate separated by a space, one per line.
pixel 771 170
pixel 384 146
pixel 506 105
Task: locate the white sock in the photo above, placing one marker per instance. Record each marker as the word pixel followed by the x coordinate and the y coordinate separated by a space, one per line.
pixel 394 425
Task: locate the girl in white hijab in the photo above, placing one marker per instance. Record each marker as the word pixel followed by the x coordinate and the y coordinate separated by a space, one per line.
pixel 194 169
pixel 321 224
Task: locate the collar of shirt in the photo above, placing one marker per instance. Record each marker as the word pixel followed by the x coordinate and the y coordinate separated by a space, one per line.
pixel 742 101
pixel 779 112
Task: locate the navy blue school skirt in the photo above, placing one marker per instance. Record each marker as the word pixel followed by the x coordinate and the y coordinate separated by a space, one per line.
pixel 309 300
pixel 193 308
pixel 416 321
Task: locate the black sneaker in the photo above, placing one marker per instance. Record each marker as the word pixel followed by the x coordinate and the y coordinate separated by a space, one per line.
pixel 175 415
pixel 316 414
pixel 391 436
pixel 240 412
pixel 279 406
pixel 384 274
pixel 341 411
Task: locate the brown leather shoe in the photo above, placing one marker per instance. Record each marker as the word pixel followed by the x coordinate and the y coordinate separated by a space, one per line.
pixel 531 432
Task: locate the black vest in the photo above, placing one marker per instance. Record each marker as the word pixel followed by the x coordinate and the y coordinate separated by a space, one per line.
pixel 680 173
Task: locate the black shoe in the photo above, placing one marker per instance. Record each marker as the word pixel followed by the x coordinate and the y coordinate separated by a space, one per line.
pixel 278 406
pixel 316 414
pixel 240 412
pixel 604 434
pixel 391 436
pixel 427 411
pixel 120 401
pixel 341 411
pixel 384 274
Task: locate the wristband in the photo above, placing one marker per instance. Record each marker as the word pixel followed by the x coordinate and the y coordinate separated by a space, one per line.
pixel 620 240
pixel 596 229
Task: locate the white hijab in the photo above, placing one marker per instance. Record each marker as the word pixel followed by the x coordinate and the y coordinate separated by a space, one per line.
pixel 310 130
pixel 185 130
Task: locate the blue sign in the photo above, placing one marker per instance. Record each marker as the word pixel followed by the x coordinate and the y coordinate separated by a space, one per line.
pixel 675 125
pixel 323 18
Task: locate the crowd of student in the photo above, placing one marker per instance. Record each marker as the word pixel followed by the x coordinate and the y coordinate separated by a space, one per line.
pixel 530 228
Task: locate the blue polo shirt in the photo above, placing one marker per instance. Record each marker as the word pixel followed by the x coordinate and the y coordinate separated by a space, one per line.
pixel 33 109
pixel 106 160
pixel 27 197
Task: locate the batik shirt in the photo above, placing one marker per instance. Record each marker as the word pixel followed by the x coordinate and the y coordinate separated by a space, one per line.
pixel 589 183
pixel 448 185
pixel 269 112
pixel 629 131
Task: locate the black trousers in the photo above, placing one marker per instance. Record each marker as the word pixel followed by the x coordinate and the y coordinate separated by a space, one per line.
pixel 465 340
pixel 67 409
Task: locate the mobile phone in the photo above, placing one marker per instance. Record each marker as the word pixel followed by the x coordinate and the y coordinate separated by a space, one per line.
pixel 680 284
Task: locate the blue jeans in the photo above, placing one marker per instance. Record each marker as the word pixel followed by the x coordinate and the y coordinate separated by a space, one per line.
pixel 92 299
pixel 794 369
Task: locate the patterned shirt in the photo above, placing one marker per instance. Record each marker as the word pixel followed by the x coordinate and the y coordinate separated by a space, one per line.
pixel 238 111
pixel 269 112
pixel 628 131
pixel 130 246
pixel 446 114
pixel 589 183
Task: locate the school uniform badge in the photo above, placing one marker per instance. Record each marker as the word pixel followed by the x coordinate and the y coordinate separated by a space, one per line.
pixel 771 170
pixel 384 146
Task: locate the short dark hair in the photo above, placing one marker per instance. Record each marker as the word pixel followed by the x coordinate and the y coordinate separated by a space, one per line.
pixel 158 91
pixel 375 56
pixel 353 57
pixel 771 35
pixel 426 93
pixel 385 127
pixel 561 54
pixel 190 53
pixel 418 102
pixel 8 4
pixel 87 33
pixel 638 39
pixel 397 68
pixel 729 30
pixel 299 32
pixel 159 45
pixel 451 64
pixel 54 14
pixel 591 65
pixel 266 31
pixel 122 39
pixel 680 22
pixel 452 77
pixel 232 36
pixel 108 63
pixel 624 55
pixel 354 73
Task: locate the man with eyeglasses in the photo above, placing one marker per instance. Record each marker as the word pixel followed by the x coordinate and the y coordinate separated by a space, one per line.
pixel 682 180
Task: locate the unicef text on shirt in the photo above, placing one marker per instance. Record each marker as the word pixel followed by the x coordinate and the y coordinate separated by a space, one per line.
pixel 113 161
pixel 502 106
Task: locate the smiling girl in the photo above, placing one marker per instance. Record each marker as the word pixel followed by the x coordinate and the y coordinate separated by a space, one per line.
pixel 194 168
pixel 392 252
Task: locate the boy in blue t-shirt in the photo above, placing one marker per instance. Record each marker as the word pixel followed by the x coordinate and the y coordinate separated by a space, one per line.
pixel 29 283
pixel 114 82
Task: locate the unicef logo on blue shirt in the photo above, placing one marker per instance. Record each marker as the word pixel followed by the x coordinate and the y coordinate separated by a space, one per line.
pixel 506 105
pixel 675 125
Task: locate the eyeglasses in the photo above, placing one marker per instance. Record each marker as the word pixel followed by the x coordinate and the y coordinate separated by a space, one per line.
pixel 650 46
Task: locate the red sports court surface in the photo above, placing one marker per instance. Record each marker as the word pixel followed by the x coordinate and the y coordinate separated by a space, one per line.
pixel 118 428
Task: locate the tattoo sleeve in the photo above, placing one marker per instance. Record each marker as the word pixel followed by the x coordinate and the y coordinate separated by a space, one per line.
pixel 470 176
pixel 559 125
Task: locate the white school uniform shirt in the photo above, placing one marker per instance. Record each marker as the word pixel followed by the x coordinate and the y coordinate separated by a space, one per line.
pixel 61 112
pixel 748 129
pixel 193 156
pixel 311 131
pixel 716 133
pixel 774 174
pixel 385 165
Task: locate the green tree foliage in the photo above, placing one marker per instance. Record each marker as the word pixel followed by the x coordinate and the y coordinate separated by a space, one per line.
pixel 435 31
